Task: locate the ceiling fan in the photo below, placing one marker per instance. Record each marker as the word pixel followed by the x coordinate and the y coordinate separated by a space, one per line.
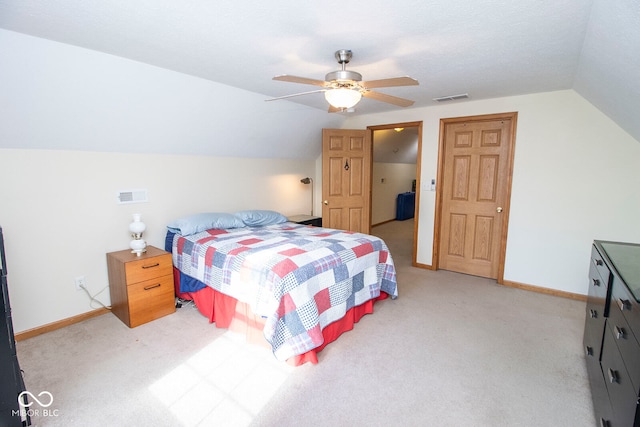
pixel 344 88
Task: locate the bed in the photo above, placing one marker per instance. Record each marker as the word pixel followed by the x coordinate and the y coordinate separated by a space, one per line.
pixel 292 287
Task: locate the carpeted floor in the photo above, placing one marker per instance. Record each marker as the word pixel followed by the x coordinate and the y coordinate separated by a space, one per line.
pixel 452 350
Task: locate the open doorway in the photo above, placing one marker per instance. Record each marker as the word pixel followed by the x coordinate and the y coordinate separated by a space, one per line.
pixel 395 186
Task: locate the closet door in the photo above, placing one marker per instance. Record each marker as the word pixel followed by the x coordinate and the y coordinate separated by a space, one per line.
pixel 476 164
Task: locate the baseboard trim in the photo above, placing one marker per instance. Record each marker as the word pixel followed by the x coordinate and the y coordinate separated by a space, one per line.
pixel 424 266
pixel 30 333
pixel 383 222
pixel 532 288
pixel 541 290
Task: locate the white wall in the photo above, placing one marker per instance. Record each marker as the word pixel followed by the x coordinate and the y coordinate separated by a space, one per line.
pixel 576 179
pixel 60 217
pixel 397 179
pixel 62 97
pixel 68 115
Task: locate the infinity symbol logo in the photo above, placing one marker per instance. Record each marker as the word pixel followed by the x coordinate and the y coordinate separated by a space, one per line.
pixel 44 405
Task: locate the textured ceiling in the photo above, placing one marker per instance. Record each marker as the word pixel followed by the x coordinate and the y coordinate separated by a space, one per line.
pixel 486 48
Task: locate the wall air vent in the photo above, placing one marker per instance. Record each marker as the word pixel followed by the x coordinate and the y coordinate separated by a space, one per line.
pixel 132 196
pixel 452 97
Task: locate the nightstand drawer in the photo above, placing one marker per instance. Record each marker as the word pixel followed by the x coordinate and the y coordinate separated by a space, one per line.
pixel 150 300
pixel 144 269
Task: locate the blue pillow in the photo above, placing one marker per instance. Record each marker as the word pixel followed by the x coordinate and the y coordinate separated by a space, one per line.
pixel 259 218
pixel 204 221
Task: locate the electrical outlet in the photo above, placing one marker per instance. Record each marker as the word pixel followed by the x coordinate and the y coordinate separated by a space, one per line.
pixel 80 283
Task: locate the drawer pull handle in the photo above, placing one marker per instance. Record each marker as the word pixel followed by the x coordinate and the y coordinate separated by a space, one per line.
pixel 596 282
pixel 620 333
pixel 624 304
pixel 589 350
pixel 148 288
pixel 598 262
pixel 593 314
pixel 613 376
pixel 151 266
pixel 604 423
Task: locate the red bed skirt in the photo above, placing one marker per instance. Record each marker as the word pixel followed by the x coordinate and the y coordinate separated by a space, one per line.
pixel 229 313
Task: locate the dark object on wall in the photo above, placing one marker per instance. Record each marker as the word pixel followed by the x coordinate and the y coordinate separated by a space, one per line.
pixel 12 383
pixel 612 328
pixel 413 186
pixel 405 206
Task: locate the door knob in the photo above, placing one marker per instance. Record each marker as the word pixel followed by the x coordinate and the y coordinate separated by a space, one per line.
pixel 499 209
pixel 326 202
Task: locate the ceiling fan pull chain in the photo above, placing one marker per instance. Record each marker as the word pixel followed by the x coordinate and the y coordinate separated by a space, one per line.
pixel 346 165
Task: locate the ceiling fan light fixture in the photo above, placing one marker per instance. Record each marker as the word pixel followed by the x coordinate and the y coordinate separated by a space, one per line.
pixel 342 97
pixel 344 88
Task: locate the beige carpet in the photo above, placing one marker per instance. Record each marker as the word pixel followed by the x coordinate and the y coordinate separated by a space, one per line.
pixel 452 350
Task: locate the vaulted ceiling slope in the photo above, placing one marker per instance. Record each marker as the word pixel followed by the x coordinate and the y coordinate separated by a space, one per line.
pixel 486 48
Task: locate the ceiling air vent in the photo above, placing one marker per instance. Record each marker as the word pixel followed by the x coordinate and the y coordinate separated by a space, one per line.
pixel 132 196
pixel 452 97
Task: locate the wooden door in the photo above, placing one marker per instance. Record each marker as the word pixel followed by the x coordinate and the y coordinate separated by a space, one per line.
pixel 476 165
pixel 346 179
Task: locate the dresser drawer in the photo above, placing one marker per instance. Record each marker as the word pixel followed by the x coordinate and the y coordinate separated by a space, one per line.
pixel 150 300
pixel 622 299
pixel 144 269
pixel 597 285
pixel 622 395
pixel 598 261
pixel 593 330
pixel 623 331
pixel 601 405
pixel 626 343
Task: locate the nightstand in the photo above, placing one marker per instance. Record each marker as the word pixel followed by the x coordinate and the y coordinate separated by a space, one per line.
pixel 141 287
pixel 316 221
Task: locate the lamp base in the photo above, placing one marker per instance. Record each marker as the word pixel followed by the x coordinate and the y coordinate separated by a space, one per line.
pixel 138 246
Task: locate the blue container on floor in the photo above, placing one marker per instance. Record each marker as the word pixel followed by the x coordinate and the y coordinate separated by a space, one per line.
pixel 405 206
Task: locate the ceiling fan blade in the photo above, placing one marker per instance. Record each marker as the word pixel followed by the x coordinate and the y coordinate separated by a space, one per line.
pixel 294 94
pixel 333 109
pixel 394 81
pixel 400 102
pixel 303 80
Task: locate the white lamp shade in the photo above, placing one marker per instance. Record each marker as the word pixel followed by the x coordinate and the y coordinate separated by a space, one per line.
pixel 342 98
pixel 137 226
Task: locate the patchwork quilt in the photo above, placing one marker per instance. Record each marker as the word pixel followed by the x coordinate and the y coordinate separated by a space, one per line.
pixel 298 278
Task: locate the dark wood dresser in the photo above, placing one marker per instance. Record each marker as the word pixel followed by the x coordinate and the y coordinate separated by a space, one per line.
pixel 612 333
pixel 13 404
